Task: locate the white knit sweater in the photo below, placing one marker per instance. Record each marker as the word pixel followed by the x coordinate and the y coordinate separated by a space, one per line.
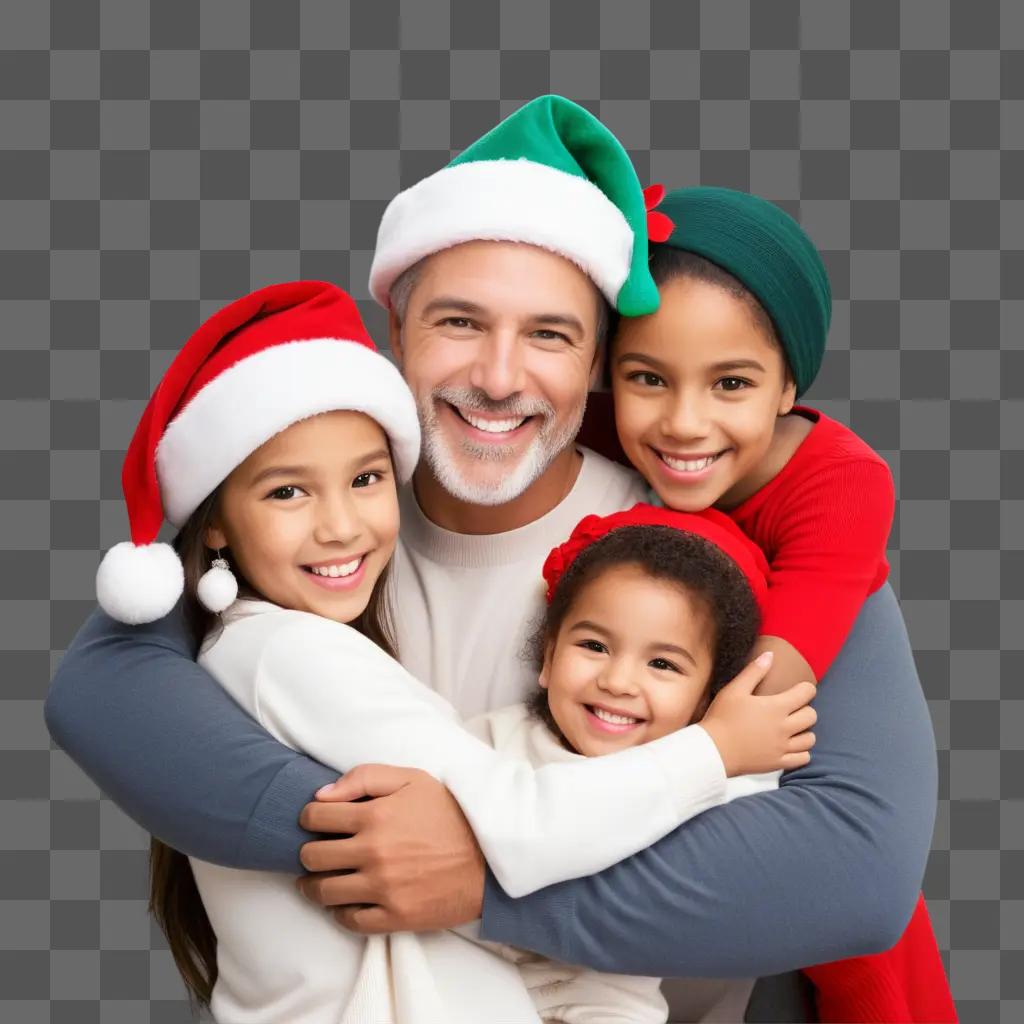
pixel 323 688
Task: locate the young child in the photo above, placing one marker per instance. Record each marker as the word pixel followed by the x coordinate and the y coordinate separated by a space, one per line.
pixel 650 613
pixel 278 437
pixel 704 392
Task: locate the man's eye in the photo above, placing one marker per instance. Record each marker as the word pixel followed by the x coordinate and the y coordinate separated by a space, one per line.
pixel 732 383
pixel 545 335
pixel 365 479
pixel 459 322
pixel 648 379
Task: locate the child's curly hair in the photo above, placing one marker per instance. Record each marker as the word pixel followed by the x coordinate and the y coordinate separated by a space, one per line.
pixel 699 568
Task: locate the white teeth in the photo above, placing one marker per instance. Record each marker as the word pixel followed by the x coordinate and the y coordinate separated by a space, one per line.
pixel 687 465
pixel 334 571
pixel 491 426
pixel 608 716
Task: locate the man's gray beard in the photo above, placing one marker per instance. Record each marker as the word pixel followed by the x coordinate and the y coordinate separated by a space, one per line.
pixel 543 450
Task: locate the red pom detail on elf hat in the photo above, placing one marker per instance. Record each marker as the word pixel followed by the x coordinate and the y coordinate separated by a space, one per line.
pixel 659 225
pixel 268 360
pixel 710 524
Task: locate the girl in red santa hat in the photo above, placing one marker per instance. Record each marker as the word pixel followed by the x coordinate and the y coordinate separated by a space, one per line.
pixel 275 445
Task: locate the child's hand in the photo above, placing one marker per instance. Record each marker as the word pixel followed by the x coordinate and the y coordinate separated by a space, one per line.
pixel 761 734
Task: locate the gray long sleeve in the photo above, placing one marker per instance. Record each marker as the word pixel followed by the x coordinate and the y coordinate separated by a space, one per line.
pixel 161 738
pixel 826 867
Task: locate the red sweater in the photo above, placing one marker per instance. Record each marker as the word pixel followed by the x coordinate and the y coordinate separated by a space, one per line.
pixel 823 522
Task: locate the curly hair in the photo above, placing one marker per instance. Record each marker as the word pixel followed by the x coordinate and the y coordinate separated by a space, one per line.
pixel 700 569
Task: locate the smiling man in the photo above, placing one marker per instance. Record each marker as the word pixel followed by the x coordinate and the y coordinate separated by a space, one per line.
pixel 499 273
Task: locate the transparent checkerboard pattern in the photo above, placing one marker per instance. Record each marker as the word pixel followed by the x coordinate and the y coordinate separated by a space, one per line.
pixel 158 160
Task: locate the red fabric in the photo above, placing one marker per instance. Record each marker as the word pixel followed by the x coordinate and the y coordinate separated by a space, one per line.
pixel 295 311
pixel 904 985
pixel 822 522
pixel 713 526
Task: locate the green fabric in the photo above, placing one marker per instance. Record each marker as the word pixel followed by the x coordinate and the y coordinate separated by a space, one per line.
pixel 765 249
pixel 555 131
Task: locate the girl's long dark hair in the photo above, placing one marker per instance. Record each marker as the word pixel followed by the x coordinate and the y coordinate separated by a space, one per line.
pixel 174 899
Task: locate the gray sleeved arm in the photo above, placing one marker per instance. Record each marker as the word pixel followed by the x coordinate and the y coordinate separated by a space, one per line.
pixel 828 866
pixel 157 734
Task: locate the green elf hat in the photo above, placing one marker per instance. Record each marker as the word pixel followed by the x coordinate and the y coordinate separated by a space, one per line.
pixel 549 175
pixel 769 253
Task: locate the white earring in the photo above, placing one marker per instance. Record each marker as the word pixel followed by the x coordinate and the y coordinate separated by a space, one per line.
pixel 218 587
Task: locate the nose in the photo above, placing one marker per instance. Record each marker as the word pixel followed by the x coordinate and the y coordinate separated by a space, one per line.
pixel 618 678
pixel 499 367
pixel 686 418
pixel 337 520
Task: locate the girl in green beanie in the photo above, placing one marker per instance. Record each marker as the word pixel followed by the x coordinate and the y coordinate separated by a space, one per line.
pixel 705 393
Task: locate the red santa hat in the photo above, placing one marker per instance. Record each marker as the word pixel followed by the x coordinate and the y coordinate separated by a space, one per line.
pixel 266 361
pixel 710 524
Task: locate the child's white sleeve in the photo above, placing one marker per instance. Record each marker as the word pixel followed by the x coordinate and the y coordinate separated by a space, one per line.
pixel 326 690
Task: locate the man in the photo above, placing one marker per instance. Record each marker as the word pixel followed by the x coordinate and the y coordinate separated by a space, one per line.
pixel 498 286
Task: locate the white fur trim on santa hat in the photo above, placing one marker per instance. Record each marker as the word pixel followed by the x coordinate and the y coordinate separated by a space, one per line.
pixel 139 584
pixel 263 394
pixel 504 201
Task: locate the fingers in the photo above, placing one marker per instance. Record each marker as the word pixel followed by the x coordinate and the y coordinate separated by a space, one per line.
pixel 753 674
pixel 335 890
pixel 797 760
pixel 805 741
pixel 801 719
pixel 333 818
pixel 333 855
pixel 366 920
pixel 798 695
pixel 368 780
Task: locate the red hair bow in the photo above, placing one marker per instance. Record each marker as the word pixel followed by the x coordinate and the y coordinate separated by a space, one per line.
pixel 712 525
pixel 659 225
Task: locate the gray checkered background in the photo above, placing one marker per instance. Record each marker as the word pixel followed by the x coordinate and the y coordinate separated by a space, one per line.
pixel 158 160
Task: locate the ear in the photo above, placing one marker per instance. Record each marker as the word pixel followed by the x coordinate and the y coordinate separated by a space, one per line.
pixel 788 399
pixel 597 368
pixel 395 336
pixel 545 669
pixel 215 538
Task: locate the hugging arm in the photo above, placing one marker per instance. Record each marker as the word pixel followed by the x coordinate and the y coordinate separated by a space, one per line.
pixel 828 866
pixel 323 688
pixel 157 734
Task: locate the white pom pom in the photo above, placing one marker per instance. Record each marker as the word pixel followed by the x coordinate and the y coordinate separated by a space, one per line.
pixel 217 587
pixel 139 584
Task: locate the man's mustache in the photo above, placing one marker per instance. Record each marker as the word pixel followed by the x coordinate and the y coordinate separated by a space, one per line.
pixel 477 401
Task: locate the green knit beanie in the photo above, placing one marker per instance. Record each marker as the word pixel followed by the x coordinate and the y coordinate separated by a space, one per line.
pixel 770 254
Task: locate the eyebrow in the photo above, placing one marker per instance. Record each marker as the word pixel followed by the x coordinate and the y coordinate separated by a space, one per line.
pixel 673 648
pixel 737 364
pixel 451 302
pixel 723 367
pixel 454 302
pixel 298 471
pixel 592 627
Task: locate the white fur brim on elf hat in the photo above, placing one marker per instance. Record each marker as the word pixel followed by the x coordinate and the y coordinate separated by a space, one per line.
pixel 549 175
pixel 268 360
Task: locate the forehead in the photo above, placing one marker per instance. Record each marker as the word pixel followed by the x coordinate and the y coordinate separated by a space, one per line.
pixel 698 319
pixel 330 438
pixel 629 600
pixel 508 275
